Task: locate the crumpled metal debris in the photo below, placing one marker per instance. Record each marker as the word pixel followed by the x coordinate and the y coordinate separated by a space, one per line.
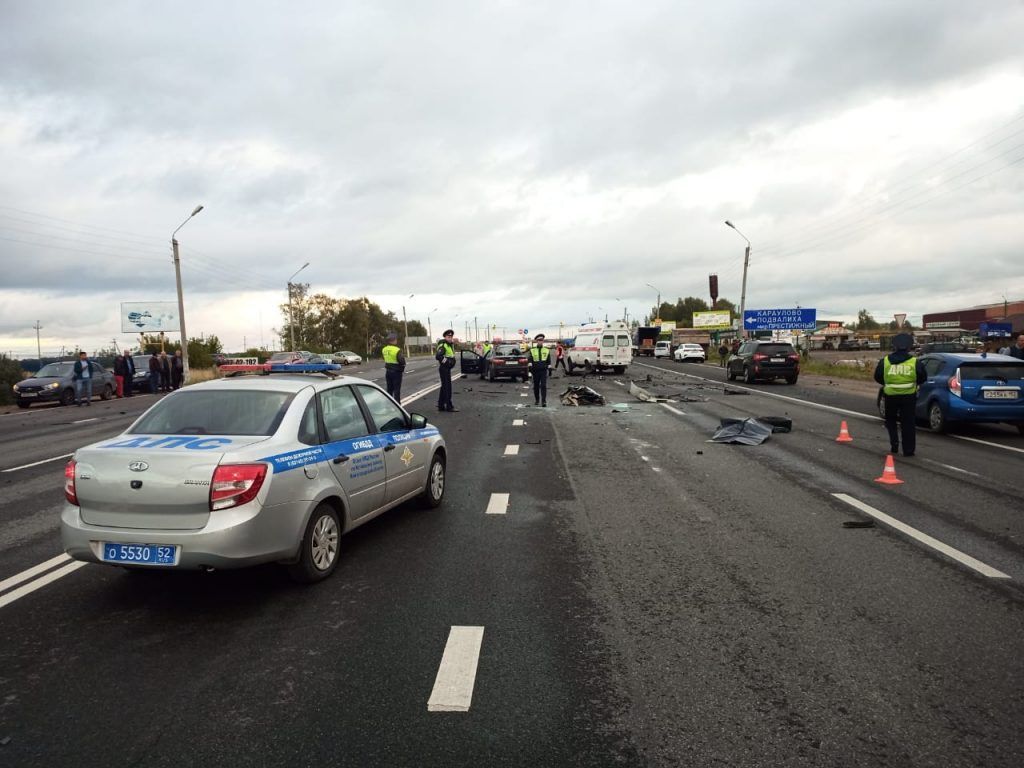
pixel 581 395
pixel 642 394
pixel 742 432
pixel 620 407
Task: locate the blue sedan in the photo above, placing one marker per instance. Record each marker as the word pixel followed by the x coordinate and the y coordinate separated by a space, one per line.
pixel 964 388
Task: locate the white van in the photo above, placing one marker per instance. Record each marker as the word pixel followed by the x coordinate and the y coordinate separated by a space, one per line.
pixel 601 345
pixel 663 349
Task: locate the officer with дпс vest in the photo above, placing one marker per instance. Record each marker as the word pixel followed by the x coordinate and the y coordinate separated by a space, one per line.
pixel 445 356
pixel 901 375
pixel 540 363
pixel 394 366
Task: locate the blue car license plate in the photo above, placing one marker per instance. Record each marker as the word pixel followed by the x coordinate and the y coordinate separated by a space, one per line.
pixel 140 554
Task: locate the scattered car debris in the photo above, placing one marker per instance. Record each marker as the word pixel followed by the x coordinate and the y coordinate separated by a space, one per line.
pixel 858 524
pixel 581 395
pixel 742 432
pixel 620 407
pixel 735 391
pixel 642 394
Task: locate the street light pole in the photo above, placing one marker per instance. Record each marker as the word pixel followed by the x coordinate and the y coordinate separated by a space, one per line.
pixel 291 322
pixel 743 290
pixel 39 349
pixel 405 322
pixel 657 309
pixel 181 298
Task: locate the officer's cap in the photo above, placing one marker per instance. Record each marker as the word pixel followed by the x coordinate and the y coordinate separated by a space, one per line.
pixel 902 342
pixel 392 336
pixel 539 337
pixel 449 332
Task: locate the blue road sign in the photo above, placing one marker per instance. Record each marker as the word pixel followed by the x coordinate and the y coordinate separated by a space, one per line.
pixel 779 319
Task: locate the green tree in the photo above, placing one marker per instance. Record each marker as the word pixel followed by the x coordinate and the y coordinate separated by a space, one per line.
pixel 865 322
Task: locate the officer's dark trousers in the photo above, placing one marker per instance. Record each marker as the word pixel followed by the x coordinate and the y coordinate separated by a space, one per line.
pixel 393 383
pixel 540 383
pixel 901 407
pixel 444 397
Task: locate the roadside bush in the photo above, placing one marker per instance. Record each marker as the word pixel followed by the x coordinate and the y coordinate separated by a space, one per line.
pixel 10 374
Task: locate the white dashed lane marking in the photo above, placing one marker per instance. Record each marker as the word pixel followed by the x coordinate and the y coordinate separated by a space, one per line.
pixel 456 676
pixel 518 422
pixel 498 505
pixel 511 450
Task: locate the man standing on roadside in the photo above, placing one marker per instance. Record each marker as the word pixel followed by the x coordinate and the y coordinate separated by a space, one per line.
pixel 445 356
pixel 129 377
pixel 723 353
pixel 900 374
pixel 83 380
pixel 154 373
pixel 1018 349
pixel 121 375
pixel 540 362
pixel 394 366
pixel 177 370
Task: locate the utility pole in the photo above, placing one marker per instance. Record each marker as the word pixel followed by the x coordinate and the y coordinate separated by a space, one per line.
pixel 476 331
pixel 743 291
pixel 181 298
pixel 405 322
pixel 39 349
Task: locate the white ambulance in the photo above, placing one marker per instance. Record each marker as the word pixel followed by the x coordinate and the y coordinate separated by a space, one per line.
pixel 601 345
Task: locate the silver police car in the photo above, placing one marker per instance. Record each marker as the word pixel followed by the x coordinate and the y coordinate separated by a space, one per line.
pixel 246 470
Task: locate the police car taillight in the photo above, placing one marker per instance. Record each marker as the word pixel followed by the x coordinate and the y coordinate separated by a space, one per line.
pixel 954 384
pixel 69 483
pixel 235 484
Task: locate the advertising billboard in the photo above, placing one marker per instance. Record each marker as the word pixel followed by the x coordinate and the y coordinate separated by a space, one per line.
pixel 779 319
pixel 712 321
pixel 149 317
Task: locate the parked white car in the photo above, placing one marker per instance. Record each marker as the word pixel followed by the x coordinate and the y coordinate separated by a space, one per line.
pixel 663 349
pixel 346 358
pixel 686 352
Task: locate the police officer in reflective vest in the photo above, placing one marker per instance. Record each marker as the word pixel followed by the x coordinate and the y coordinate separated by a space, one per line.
pixel 445 356
pixel 485 353
pixel 900 374
pixel 394 366
pixel 540 363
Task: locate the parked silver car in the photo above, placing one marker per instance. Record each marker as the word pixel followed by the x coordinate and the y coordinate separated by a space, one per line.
pixel 245 470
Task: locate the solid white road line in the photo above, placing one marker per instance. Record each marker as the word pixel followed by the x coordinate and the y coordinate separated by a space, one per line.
pixel 426 391
pixel 924 538
pixel 518 422
pixel 42 581
pixel 511 450
pixel 676 411
pixel 37 463
pixel 986 442
pixel 498 505
pixel 767 394
pixel 453 686
pixel 83 421
pixel 26 575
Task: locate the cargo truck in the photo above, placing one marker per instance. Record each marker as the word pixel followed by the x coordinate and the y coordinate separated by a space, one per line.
pixel 644 340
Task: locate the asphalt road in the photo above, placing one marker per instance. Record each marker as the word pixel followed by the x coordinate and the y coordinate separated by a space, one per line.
pixel 647 598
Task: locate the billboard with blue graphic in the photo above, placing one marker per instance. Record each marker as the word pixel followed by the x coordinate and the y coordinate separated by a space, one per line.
pixel 799 319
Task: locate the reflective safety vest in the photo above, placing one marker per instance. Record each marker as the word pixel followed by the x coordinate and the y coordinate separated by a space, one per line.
pixel 446 350
pixel 487 349
pixel 540 354
pixel 900 378
pixel 390 354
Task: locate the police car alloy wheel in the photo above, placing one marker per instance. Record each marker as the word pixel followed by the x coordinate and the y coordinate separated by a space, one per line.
pixel 435 482
pixel 318 555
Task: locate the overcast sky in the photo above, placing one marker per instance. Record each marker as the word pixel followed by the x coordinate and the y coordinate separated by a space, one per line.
pixel 524 164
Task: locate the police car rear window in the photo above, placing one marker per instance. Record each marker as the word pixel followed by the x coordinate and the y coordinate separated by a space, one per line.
pixel 222 412
pixel 992 372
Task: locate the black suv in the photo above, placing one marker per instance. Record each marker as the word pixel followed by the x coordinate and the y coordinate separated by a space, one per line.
pixel 504 360
pixel 764 360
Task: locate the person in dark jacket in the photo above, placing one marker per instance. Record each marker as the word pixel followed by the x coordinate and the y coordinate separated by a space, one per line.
pixel 394 366
pixel 900 374
pixel 120 374
pixel 128 366
pixel 83 380
pixel 154 373
pixel 165 373
pixel 445 356
pixel 177 370
pixel 1017 350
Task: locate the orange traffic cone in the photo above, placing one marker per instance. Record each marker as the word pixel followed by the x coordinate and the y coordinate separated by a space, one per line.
pixel 844 434
pixel 889 473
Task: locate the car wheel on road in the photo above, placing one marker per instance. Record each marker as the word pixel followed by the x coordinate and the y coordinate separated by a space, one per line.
pixel 748 375
pixel 433 494
pixel 791 379
pixel 881 405
pixel 24 403
pixel 619 369
pixel 588 369
pixel 936 418
pixel 571 366
pixel 107 393
pixel 730 374
pixel 67 397
pixel 490 375
pixel 1020 425
pixel 318 555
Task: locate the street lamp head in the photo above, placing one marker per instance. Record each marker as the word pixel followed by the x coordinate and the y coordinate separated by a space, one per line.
pixel 197 210
pixel 729 224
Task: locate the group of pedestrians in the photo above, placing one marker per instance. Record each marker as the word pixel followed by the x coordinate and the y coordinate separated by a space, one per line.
pixel 165 373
